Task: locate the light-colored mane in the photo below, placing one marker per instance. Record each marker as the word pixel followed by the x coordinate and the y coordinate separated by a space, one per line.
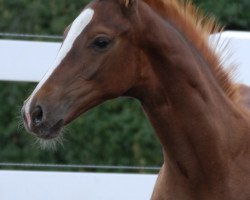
pixel 196 27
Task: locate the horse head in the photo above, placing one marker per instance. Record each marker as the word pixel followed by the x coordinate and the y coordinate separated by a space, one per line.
pixel 96 62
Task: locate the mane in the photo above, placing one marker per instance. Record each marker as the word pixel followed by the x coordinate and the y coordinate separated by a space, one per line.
pixel 197 27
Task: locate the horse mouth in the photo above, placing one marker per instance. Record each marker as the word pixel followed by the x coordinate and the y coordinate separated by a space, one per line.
pixel 48 132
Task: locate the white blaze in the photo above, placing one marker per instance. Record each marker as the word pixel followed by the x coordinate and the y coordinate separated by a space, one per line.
pixel 76 28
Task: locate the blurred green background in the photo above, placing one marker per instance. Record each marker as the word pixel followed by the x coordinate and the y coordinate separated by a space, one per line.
pixel 116 132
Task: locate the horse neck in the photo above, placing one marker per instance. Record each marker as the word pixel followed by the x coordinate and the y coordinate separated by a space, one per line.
pixel 193 118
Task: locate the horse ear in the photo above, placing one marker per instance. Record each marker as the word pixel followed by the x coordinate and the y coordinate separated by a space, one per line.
pixel 128 3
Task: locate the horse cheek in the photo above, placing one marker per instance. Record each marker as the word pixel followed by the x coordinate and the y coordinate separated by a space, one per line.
pixel 89 72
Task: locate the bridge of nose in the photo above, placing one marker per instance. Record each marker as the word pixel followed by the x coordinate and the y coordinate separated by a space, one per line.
pixel 76 29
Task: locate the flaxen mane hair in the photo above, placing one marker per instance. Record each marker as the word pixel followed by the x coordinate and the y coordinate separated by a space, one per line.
pixel 197 27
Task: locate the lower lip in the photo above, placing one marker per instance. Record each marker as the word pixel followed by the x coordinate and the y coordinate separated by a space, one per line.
pixel 52 132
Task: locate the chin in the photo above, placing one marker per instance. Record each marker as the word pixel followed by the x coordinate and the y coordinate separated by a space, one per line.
pixel 51 142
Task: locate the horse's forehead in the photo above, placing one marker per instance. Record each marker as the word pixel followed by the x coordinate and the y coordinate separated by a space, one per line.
pixel 77 27
pixel 75 30
pixel 105 7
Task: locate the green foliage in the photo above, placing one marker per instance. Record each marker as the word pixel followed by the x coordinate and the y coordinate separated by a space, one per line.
pixel 234 15
pixel 38 17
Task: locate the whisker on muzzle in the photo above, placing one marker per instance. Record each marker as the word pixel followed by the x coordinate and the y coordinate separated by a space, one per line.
pixel 50 144
pixel 18 118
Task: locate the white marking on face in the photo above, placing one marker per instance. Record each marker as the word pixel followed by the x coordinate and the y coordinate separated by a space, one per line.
pixel 77 27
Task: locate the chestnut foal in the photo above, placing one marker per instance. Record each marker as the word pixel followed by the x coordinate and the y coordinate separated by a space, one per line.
pixel 156 51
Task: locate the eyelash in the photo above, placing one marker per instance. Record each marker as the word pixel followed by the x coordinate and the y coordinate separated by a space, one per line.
pixel 101 43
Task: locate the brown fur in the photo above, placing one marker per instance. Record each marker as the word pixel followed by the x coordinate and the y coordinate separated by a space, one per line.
pixel 197 27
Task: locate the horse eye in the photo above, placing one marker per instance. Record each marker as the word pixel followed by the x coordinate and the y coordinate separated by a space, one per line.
pixel 101 43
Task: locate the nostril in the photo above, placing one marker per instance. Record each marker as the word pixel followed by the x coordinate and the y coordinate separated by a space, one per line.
pixel 37 116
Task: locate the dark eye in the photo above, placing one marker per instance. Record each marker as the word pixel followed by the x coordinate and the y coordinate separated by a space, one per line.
pixel 101 43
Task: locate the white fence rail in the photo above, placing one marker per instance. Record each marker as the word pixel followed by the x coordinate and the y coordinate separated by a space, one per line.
pixel 23 185
pixel 238 45
pixel 28 61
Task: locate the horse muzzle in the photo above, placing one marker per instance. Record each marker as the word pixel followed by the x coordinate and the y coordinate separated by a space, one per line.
pixel 37 122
